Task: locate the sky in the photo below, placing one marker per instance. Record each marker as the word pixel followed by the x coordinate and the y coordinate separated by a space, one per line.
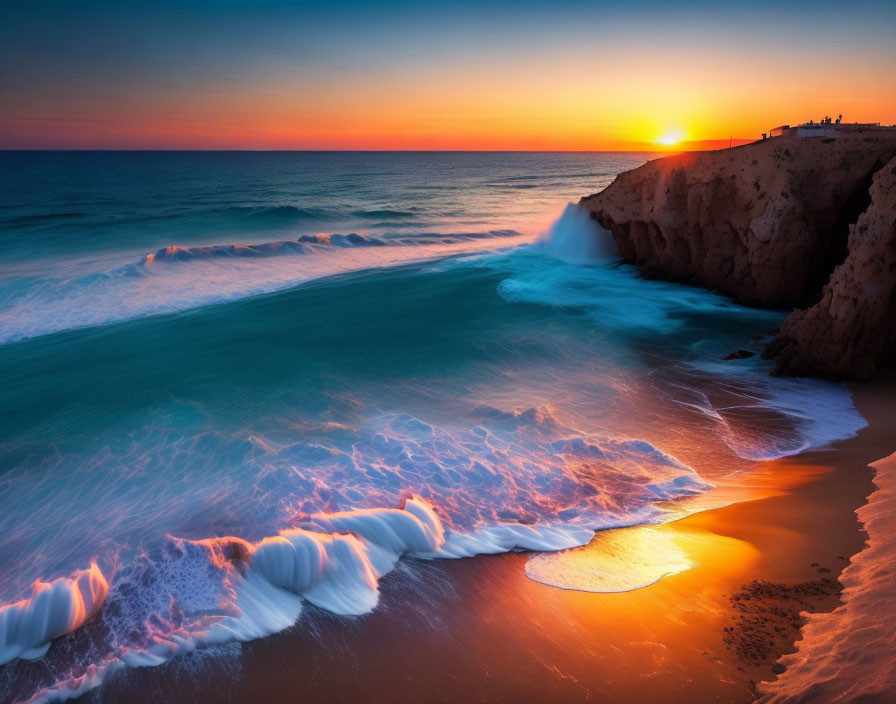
pixel 435 75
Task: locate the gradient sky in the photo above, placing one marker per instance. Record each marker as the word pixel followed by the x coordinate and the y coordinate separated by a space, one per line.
pixel 464 75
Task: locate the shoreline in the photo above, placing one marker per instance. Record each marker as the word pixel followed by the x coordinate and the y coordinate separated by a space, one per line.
pixel 480 629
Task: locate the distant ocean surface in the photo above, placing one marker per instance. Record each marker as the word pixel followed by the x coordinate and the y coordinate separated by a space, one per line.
pixel 240 385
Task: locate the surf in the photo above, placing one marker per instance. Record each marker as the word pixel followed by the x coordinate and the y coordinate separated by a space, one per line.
pixel 35 306
pixel 209 441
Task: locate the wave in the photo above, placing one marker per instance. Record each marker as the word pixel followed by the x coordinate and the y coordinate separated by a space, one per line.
pixel 35 306
pixel 264 249
pixel 576 238
pixel 297 246
pixel 54 609
pixel 760 417
pixel 187 594
pixel 683 332
pixel 318 512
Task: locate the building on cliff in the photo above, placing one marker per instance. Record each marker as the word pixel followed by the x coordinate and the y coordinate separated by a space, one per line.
pixel 827 128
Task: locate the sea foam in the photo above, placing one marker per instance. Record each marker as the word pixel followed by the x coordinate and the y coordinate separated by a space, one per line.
pixel 576 238
pixel 190 594
pixel 27 627
pixel 336 566
pixel 212 274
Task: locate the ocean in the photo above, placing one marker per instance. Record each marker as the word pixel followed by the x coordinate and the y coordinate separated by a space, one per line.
pixel 237 386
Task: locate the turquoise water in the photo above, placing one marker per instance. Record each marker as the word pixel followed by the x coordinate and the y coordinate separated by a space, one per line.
pixel 398 325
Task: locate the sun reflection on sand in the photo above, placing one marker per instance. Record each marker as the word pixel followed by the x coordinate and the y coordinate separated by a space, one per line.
pixel 615 561
pixel 631 558
pixel 626 559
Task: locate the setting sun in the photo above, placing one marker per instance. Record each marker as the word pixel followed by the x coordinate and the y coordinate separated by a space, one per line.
pixel 670 139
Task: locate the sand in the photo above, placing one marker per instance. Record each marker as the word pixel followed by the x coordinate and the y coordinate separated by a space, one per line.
pixel 480 630
pixel 848 656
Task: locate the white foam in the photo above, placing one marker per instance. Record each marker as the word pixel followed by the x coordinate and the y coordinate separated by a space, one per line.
pixel 333 572
pixel 56 608
pixel 335 563
pixel 821 412
pixel 492 540
pixel 264 608
pixel 576 238
pixel 177 279
pixel 76 686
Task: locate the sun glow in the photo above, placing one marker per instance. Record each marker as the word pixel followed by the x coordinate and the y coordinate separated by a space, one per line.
pixel 670 139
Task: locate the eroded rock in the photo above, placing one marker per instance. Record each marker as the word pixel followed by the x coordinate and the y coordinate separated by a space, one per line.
pixel 852 329
pixel 767 223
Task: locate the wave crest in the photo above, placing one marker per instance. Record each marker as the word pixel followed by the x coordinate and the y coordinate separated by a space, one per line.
pixel 264 249
pixel 55 608
pixel 556 485
pixel 212 274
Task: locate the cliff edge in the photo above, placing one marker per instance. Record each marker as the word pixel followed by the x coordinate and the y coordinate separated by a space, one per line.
pixel 852 329
pixel 779 223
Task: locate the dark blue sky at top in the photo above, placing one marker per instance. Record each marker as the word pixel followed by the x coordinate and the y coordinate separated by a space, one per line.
pixel 58 58
pixel 35 35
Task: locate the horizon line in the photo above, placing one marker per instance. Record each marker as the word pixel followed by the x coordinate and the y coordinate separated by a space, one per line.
pixel 369 151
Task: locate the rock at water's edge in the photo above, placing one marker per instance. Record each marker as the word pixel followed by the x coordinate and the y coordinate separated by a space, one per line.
pixel 767 223
pixel 852 329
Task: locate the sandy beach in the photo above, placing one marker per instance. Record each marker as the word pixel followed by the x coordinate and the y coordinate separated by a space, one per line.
pixel 480 630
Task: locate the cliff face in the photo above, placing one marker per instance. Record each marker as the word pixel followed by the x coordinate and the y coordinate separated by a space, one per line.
pixel 767 224
pixel 852 329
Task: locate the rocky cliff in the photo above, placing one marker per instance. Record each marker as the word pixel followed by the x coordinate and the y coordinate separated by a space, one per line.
pixel 784 222
pixel 852 329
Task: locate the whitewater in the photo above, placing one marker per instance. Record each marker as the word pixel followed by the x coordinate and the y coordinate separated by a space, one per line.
pixel 240 386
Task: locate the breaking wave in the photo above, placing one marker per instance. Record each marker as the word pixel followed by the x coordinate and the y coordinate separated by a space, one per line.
pixel 54 609
pixel 35 306
pixel 516 481
pixel 264 249
pixel 576 238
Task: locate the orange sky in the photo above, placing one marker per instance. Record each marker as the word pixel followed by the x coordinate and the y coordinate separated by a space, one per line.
pixel 422 82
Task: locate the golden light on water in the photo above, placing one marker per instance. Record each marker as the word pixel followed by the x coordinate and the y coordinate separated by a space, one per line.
pixel 625 559
pixel 615 561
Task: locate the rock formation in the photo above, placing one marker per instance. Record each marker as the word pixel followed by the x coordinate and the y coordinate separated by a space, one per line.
pixel 768 224
pixel 852 329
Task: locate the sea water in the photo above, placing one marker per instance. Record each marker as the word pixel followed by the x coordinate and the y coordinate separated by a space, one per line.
pixel 235 384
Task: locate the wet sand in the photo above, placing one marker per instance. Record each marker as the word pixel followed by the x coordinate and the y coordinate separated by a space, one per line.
pixel 480 630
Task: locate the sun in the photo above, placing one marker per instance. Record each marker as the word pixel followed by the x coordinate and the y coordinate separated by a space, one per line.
pixel 670 139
